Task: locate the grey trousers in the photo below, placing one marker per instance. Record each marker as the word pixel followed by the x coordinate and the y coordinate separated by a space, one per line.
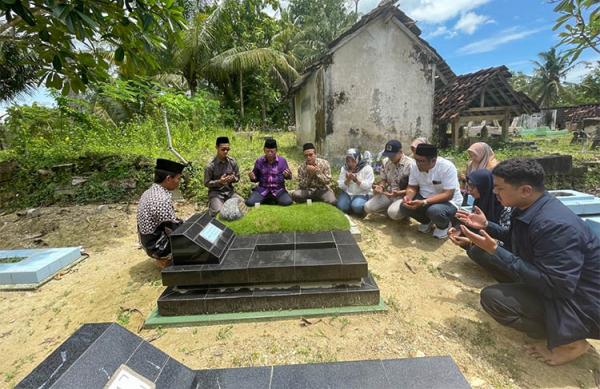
pixel 215 202
pixel 382 203
pixel 325 195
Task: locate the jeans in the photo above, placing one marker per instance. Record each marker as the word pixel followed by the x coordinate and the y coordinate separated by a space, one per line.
pixel 440 214
pixel 348 203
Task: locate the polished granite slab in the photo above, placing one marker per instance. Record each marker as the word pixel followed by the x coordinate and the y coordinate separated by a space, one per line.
pixel 94 353
pixel 90 357
pixel 194 301
pixel 200 239
pixel 277 258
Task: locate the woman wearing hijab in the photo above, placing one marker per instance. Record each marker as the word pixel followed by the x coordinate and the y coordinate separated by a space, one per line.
pixel 481 156
pixel 355 181
pixel 415 143
pixel 480 185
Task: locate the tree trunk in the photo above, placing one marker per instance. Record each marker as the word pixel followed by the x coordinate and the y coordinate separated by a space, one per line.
pixel 241 95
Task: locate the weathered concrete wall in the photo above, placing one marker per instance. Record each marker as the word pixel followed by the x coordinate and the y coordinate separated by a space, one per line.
pixel 308 106
pixel 380 86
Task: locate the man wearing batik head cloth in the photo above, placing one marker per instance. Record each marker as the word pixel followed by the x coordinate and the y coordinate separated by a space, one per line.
pixel 219 176
pixel 156 217
pixel 314 177
pixel 270 172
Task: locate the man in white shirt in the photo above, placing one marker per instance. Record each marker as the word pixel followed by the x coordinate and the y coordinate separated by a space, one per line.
pixel 433 193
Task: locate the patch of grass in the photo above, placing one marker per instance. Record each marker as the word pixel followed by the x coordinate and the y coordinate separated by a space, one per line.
pixel 11 260
pixel 224 333
pixel 297 217
pixel 123 318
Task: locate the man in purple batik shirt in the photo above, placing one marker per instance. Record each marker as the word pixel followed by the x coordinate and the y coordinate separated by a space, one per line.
pixel 270 171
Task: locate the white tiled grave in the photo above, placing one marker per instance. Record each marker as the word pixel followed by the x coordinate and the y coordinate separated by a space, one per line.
pixel 29 268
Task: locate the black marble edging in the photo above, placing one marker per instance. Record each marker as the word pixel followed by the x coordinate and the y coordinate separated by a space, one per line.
pixel 91 356
pixel 277 258
pixel 206 301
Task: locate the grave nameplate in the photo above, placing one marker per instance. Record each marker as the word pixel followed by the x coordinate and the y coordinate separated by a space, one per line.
pixel 201 239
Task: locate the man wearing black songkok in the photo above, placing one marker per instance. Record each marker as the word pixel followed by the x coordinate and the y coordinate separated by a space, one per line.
pixel 314 176
pixel 156 217
pixel 219 176
pixel 270 172
pixel 433 193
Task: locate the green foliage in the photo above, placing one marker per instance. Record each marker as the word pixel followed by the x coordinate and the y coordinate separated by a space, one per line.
pixel 580 21
pixel 17 70
pixel 589 182
pixel 546 83
pixel 117 32
pixel 319 23
pixel 298 217
pixel 116 161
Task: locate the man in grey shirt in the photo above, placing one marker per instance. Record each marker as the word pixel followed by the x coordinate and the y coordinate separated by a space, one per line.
pixel 219 176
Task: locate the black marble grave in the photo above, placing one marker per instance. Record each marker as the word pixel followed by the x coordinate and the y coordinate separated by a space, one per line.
pixel 93 354
pixel 201 239
pixel 219 272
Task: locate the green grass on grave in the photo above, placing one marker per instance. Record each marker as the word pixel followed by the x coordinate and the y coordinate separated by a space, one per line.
pixel 297 217
pixel 11 260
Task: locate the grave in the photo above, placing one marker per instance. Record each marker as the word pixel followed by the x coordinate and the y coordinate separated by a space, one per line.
pixel 106 355
pixel 582 204
pixel 30 268
pixel 215 271
pixel 555 164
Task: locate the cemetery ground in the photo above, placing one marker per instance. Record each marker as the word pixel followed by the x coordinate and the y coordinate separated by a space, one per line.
pixel 430 287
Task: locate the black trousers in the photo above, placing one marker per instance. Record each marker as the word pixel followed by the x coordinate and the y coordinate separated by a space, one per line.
pixel 515 305
pixel 283 199
pixel 490 264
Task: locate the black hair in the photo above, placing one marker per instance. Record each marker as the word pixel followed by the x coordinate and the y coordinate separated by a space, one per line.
pixel 521 171
pixel 161 175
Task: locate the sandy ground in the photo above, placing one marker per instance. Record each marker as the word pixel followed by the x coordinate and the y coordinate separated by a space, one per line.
pixel 431 287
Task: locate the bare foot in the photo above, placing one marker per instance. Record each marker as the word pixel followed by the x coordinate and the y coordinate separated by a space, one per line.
pixel 558 355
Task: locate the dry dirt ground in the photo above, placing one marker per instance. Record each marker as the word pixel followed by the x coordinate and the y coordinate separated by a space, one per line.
pixel 431 288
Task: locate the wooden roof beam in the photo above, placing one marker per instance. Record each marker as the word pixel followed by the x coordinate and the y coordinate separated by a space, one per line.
pixel 490 109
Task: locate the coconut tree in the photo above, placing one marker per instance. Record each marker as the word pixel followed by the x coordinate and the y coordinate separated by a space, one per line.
pixel 239 60
pixel 546 83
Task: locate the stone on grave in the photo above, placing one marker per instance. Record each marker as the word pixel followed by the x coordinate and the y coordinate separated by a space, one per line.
pixel 234 209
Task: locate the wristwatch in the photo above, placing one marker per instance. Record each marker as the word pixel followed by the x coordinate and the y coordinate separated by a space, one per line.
pixel 425 202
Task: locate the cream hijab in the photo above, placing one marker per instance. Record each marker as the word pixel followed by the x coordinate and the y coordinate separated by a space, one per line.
pixel 483 156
